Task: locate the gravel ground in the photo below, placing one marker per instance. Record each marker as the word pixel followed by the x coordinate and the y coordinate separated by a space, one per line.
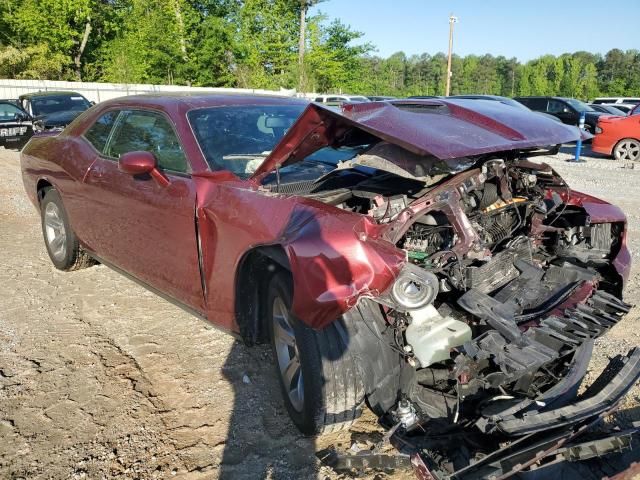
pixel 101 379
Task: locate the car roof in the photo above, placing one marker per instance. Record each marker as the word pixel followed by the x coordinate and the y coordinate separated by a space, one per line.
pixel 50 94
pixel 546 96
pixel 191 100
pixel 473 96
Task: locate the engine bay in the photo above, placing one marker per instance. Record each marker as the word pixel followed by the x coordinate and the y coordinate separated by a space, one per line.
pixel 517 280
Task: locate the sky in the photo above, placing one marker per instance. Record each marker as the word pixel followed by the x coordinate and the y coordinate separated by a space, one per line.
pixel 524 29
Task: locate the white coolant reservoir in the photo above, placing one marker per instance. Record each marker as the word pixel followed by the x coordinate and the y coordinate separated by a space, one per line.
pixel 432 336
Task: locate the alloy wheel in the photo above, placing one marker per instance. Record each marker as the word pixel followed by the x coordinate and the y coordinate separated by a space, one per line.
pixel 55 231
pixel 628 149
pixel 288 354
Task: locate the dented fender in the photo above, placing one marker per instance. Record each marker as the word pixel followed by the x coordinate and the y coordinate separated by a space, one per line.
pixel 336 257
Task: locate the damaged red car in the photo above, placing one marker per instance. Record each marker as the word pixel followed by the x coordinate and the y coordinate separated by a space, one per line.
pixel 407 256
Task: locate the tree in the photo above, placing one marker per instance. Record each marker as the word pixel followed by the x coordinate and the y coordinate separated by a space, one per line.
pixel 65 27
pixel 33 62
pixel 333 62
pixel 269 44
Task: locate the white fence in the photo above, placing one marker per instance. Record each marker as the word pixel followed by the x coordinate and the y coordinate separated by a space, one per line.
pixel 98 92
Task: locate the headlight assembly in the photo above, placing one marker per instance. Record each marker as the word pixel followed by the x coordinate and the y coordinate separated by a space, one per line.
pixel 414 288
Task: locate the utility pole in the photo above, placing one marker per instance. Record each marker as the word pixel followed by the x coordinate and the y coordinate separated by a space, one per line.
pixel 452 20
pixel 304 5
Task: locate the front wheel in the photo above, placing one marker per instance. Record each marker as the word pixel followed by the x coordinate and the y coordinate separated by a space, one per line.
pixel 627 149
pixel 62 244
pixel 321 384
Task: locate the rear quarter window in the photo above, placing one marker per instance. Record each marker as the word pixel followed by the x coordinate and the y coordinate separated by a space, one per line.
pixel 99 132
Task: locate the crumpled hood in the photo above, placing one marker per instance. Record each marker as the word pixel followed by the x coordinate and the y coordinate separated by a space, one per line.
pixel 445 129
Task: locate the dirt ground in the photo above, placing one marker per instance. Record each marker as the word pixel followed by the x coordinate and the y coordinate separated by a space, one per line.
pixel 101 379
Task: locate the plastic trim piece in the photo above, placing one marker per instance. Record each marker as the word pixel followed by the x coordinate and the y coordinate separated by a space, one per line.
pixel 594 403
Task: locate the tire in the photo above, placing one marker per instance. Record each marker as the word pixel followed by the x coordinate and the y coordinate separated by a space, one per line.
pixel 627 149
pixel 62 245
pixel 328 379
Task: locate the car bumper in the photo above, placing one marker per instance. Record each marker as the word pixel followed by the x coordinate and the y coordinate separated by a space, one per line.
pixel 610 387
pixel 545 437
pixel 602 144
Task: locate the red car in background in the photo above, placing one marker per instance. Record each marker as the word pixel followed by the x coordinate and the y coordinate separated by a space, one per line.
pixel 407 255
pixel 619 137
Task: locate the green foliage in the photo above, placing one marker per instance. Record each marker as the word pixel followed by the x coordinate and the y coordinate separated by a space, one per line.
pixel 33 62
pixel 255 44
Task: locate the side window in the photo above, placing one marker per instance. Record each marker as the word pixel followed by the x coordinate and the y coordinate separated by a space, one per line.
pixel 335 101
pixel 537 104
pixel 556 107
pixel 98 134
pixel 150 132
pixel 8 112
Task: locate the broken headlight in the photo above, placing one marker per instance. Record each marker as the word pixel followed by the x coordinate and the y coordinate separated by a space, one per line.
pixel 413 288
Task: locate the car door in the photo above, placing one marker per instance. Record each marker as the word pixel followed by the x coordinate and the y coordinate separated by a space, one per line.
pixel 140 226
pixel 565 112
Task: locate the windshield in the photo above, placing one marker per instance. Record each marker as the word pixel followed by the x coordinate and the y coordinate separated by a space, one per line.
pixel 58 103
pixel 239 138
pixel 614 111
pixel 579 106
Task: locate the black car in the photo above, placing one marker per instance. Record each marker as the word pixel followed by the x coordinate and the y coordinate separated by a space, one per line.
pixel 16 127
pixel 53 110
pixel 568 110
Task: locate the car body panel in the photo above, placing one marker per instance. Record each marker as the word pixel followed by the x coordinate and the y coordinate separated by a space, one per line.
pixel 615 129
pixel 335 256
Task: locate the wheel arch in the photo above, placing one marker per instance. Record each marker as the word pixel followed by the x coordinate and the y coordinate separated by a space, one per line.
pixel 42 186
pixel 255 270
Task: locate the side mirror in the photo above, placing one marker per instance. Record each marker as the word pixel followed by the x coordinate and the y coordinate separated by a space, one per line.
pixel 140 163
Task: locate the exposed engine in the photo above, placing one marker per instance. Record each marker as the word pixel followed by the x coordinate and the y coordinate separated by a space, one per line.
pixel 506 282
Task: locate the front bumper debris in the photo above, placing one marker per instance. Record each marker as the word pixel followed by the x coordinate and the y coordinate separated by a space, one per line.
pixel 602 395
pixel 522 438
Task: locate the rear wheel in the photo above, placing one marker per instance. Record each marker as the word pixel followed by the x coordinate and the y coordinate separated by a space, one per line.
pixel 627 149
pixel 321 384
pixel 62 244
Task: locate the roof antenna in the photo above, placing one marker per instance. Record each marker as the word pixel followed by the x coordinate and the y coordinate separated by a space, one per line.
pixel 277 178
